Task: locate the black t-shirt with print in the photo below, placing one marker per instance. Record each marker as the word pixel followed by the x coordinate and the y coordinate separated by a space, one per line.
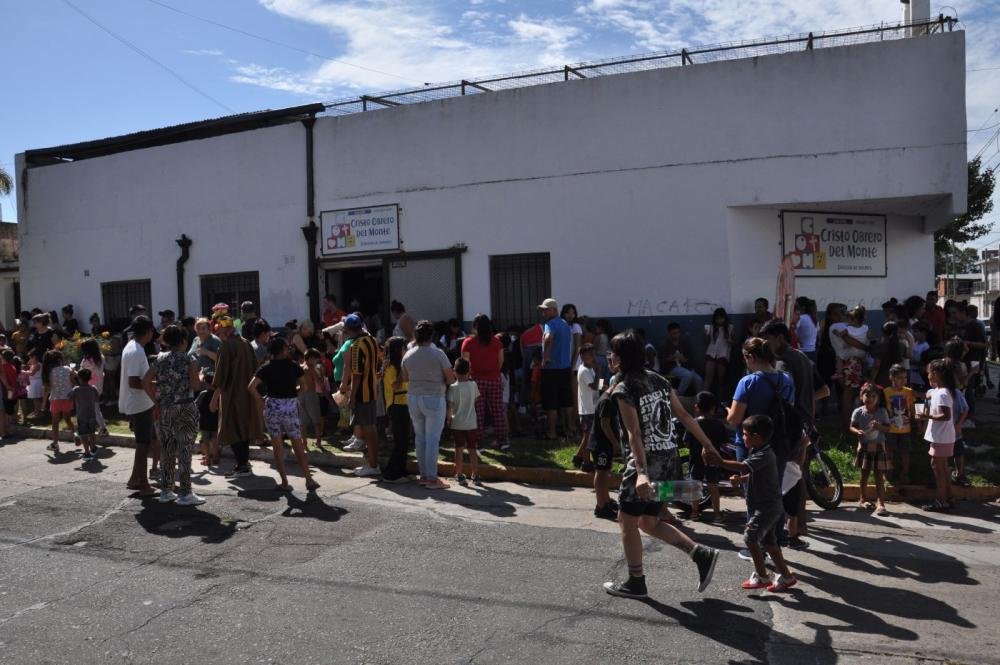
pixel 649 394
pixel 281 377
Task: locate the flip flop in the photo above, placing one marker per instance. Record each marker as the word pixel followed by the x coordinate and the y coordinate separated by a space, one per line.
pixel 284 487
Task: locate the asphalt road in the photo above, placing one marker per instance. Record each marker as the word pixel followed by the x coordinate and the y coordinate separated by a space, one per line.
pixel 362 573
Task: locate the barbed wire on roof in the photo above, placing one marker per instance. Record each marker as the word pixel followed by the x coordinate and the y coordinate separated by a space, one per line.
pixel 734 50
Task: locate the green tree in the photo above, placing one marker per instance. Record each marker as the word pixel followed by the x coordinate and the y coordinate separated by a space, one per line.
pixel 6 182
pixel 965 228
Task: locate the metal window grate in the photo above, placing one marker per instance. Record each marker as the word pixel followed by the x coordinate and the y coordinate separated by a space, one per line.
pixel 518 282
pixel 118 297
pixel 231 288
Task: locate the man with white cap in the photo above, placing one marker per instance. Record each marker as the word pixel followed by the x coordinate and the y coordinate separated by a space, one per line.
pixel 557 346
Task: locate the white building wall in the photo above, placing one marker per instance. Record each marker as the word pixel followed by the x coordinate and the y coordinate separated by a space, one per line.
pixel 639 172
pixel 655 192
pixel 239 197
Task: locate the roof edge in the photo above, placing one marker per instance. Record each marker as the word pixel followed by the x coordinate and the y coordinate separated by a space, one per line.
pixel 190 131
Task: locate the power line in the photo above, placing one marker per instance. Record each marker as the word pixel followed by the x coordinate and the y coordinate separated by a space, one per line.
pixel 277 43
pixel 147 56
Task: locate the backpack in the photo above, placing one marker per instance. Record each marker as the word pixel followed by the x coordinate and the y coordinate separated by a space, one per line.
pixel 788 420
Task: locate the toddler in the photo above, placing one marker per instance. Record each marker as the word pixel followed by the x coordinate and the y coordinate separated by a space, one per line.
pixel 462 396
pixel 86 401
pixel 869 423
pixel 764 508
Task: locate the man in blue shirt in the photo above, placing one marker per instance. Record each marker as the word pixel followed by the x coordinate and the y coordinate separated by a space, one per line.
pixel 557 385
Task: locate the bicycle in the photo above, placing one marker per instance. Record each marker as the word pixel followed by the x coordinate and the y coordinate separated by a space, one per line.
pixel 823 481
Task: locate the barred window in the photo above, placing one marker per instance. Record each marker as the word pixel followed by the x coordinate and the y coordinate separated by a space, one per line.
pixel 518 283
pixel 118 297
pixel 231 288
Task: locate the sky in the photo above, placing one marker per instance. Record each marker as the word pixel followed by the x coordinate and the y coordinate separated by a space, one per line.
pixel 65 79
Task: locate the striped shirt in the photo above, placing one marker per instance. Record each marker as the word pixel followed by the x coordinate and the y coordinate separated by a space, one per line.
pixel 364 367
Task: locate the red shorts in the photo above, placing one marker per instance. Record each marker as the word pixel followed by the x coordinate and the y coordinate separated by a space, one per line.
pixel 60 406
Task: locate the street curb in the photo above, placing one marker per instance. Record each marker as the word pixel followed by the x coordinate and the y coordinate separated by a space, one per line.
pixel 342 460
pixel 533 475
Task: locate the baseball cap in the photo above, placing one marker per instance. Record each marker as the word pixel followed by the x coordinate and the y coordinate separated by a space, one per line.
pixel 354 321
pixel 549 303
pixel 167 312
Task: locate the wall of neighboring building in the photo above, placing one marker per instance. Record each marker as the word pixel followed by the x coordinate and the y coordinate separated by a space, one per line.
pixel 239 197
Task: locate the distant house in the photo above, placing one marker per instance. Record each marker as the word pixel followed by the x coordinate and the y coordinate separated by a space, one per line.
pixel 959 287
pixel 988 288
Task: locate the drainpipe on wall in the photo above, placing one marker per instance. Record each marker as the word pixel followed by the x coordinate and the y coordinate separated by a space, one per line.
pixel 310 230
pixel 185 244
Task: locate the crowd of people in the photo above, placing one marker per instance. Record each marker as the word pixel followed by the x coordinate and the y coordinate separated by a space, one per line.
pixel 745 414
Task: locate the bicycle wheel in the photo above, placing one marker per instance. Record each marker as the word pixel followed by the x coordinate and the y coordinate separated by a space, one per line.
pixel 823 482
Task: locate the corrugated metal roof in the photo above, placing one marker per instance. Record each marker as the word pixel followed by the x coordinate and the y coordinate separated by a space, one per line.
pixel 175 134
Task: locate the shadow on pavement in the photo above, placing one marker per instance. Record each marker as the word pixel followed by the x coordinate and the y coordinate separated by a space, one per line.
pixel 313 507
pixel 856 619
pixel 92 465
pixel 865 517
pixel 892 557
pixel 487 499
pixel 62 457
pixel 729 624
pixel 881 600
pixel 173 521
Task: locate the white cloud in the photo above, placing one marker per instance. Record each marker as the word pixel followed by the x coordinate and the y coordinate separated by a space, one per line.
pixel 552 35
pixel 214 52
pixel 279 78
pixel 411 42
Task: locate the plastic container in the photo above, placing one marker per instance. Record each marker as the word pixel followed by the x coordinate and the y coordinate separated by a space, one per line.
pixel 688 491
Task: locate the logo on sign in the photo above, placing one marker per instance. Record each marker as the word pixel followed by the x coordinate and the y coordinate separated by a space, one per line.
pixel 807 254
pixel 341 237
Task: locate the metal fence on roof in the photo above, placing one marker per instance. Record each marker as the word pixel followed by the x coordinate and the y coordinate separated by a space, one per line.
pixel 636 63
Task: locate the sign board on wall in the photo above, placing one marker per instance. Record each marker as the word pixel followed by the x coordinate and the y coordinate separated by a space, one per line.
pixel 358 230
pixel 823 244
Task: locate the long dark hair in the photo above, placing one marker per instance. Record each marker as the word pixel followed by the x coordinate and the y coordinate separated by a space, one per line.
pixel 891 353
pixel 807 306
pixel 395 347
pixel 945 369
pixel 631 352
pixel 50 360
pixel 91 351
pixel 832 309
pixel 720 311
pixel 484 329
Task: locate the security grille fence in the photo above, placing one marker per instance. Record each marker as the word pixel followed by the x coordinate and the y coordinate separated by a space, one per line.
pixel 426 287
pixel 677 58
pixel 231 288
pixel 518 283
pixel 118 297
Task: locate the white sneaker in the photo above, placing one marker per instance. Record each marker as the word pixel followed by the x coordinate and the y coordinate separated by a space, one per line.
pixel 366 471
pixel 190 499
pixel 745 555
pixel 167 497
pixel 355 445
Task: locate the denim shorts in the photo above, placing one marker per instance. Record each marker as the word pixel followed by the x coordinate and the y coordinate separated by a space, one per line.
pixel 763 524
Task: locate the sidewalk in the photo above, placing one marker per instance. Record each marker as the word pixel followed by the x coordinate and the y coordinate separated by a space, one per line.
pixel 338 459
